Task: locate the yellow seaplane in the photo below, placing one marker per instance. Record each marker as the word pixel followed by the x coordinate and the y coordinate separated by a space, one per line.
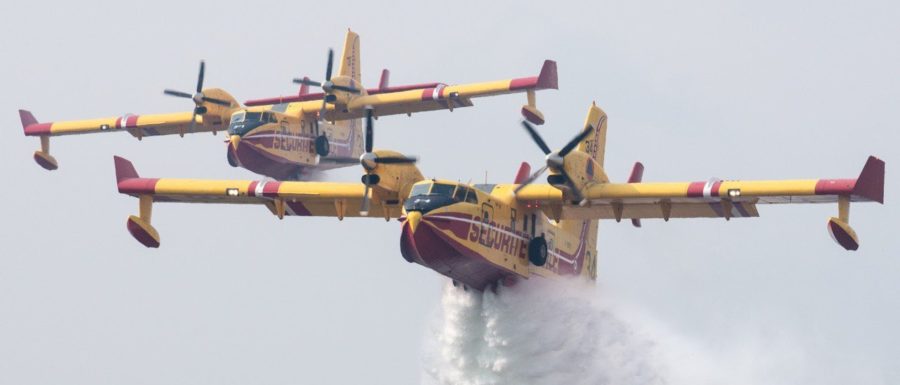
pixel 484 234
pixel 287 137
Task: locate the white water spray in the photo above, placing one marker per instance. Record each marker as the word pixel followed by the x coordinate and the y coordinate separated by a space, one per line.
pixel 538 332
pixel 568 332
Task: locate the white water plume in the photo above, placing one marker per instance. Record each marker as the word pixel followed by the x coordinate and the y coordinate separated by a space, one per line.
pixel 569 332
pixel 524 336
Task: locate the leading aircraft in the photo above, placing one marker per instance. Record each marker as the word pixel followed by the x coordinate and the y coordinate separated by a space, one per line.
pixel 484 234
pixel 288 137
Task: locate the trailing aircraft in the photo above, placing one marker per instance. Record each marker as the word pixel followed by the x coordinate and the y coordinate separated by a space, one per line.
pixel 287 137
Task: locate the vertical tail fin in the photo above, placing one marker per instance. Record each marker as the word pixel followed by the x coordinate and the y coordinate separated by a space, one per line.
pixel 350 65
pixel 595 145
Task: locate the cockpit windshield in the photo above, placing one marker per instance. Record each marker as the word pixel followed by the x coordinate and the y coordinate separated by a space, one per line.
pixel 243 122
pixel 425 197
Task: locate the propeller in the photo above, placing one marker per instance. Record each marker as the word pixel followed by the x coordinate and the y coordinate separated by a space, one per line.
pixel 198 98
pixel 328 87
pixel 370 161
pixel 556 160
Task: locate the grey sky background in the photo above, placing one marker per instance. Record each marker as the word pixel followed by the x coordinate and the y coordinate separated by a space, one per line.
pixel 694 89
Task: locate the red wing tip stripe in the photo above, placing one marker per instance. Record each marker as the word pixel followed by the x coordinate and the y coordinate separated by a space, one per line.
pixel 138 186
pixel 38 129
pixel 835 186
pixel 251 190
pixel 523 83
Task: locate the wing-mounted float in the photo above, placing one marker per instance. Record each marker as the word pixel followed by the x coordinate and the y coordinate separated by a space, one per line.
pixel 211 112
pixel 579 189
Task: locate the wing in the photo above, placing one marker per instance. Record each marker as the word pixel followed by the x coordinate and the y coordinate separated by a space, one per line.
pixel 320 199
pixel 426 97
pixel 443 97
pixel 419 97
pixel 215 119
pixel 713 199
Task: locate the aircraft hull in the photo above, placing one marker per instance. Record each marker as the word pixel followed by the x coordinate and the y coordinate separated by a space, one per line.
pixel 432 248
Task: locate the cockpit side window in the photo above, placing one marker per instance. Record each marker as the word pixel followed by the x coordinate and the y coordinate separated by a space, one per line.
pixel 442 189
pixel 465 194
pixel 471 197
pixel 252 117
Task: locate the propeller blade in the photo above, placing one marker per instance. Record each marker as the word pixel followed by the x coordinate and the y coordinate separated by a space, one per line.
pixel 307 82
pixel 178 94
pixel 396 159
pixel 369 130
pixel 530 179
pixel 536 137
pixel 577 139
pixel 193 123
pixel 345 88
pixel 200 77
pixel 322 111
pixel 216 101
pixel 574 190
pixel 364 210
pixel 340 159
pixel 330 62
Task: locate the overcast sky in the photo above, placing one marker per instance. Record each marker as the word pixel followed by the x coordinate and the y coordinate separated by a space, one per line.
pixel 694 89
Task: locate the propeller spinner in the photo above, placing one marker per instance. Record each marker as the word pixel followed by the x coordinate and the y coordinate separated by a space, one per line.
pixel 198 98
pixel 555 161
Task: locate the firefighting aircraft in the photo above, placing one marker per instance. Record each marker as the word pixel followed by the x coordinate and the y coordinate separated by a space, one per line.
pixel 484 234
pixel 288 137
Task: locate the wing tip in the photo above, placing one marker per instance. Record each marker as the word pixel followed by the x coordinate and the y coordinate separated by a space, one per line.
pixel 548 78
pixel 637 173
pixel 124 169
pixel 870 183
pixel 27 118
